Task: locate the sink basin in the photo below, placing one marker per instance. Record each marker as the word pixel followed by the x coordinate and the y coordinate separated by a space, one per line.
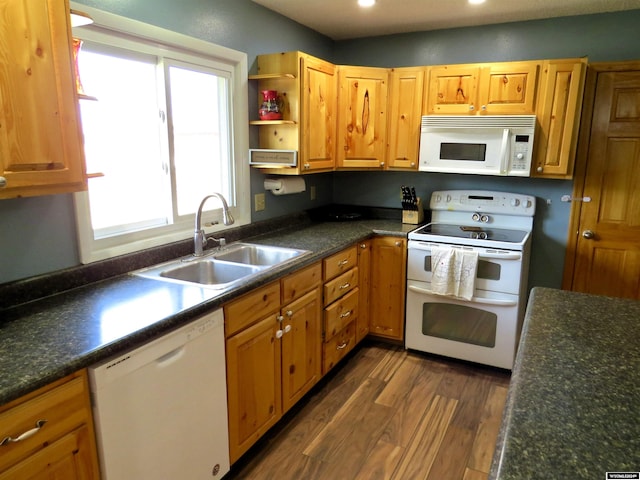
pixel 224 268
pixel 259 255
pixel 210 272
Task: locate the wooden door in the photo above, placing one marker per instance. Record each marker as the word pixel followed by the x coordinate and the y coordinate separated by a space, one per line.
pixel 405 110
pixel 364 285
pixel 603 255
pixel 301 347
pixel 318 116
pixel 253 384
pixel 388 278
pixel 362 117
pixel 452 89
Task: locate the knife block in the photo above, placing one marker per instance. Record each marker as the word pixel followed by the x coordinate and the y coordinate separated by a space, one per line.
pixel 414 217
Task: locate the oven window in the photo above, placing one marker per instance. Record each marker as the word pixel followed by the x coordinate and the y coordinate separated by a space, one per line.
pixel 459 323
pixel 486 270
pixel 475 152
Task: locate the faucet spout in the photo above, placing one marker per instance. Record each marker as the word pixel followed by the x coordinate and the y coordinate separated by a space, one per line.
pixel 199 239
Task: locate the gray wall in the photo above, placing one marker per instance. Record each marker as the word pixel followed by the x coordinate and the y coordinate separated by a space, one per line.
pixel 37 235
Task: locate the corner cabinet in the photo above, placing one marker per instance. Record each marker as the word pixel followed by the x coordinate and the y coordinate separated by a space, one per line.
pixel 362 117
pixel 558 113
pixel 506 88
pixel 388 277
pixel 50 433
pixel 40 136
pixel 307 89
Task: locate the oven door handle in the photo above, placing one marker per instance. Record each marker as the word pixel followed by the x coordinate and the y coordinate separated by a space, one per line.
pixel 485 301
pixel 500 256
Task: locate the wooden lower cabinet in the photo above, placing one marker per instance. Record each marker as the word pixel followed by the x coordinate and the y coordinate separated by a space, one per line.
pixel 273 353
pixel 388 278
pixel 364 288
pixel 63 447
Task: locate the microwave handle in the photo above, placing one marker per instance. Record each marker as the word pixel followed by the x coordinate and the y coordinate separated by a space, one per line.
pixel 507 256
pixel 486 301
pixel 504 152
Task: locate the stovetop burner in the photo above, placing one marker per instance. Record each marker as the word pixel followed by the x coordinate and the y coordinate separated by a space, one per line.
pixel 470 232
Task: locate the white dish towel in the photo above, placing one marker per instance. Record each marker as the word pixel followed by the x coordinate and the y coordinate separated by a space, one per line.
pixel 453 271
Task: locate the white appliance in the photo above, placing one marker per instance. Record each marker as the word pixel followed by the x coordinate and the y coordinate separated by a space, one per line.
pixel 481 144
pixel 484 328
pixel 160 411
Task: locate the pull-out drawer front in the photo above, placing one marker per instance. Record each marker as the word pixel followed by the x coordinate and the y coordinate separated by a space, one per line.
pixel 298 283
pixel 340 313
pixel 46 417
pixel 340 286
pixel 254 306
pixel 335 349
pixel 340 262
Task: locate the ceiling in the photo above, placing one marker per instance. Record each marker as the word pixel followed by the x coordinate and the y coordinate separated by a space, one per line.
pixel 343 19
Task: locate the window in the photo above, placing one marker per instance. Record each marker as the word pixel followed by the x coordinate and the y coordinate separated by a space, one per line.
pixel 168 128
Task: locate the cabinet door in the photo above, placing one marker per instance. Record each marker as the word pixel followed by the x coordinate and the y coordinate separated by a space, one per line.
pixel 318 114
pixel 364 286
pixel 40 139
pixel 508 88
pixel 301 347
pixel 362 119
pixel 388 278
pixel 405 111
pixel 452 89
pixel 559 108
pixel 253 384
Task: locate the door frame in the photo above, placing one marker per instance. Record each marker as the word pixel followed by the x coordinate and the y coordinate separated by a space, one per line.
pixel 582 156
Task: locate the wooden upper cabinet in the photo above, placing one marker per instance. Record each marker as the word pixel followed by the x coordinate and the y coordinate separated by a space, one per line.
pixel 362 117
pixel 507 88
pixel 558 113
pixel 307 88
pixel 40 137
pixel 405 111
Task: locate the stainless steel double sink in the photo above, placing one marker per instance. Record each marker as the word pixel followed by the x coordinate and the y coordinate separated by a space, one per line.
pixel 223 268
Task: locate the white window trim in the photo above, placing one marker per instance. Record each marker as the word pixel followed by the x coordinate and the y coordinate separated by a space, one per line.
pixel 89 250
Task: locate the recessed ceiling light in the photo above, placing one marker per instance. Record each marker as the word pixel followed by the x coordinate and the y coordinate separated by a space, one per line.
pixel 366 3
pixel 476 2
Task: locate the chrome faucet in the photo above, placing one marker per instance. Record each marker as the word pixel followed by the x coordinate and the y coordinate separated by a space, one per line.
pixel 199 238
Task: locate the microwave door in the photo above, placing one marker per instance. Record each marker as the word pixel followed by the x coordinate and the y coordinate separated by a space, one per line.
pixel 461 151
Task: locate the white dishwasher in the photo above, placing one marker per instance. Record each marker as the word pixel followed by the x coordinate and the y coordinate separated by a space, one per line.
pixel 160 410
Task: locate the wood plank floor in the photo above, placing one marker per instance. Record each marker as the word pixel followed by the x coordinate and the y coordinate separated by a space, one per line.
pixel 387 414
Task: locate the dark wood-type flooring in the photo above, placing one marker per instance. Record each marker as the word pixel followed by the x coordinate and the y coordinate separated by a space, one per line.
pixel 387 413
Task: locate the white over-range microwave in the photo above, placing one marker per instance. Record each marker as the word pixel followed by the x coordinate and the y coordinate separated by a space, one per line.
pixel 481 145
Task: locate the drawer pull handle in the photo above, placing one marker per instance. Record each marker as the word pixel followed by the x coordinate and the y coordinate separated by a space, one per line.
pixel 342 263
pixel 25 435
pixel 346 314
pixel 343 345
pixel 346 285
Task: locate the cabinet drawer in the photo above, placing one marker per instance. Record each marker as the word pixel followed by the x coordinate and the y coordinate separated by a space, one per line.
pixel 298 283
pixel 336 348
pixel 62 409
pixel 340 313
pixel 251 307
pixel 340 262
pixel 340 286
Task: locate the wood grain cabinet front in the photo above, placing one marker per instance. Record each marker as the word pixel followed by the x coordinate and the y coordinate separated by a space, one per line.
pixel 41 148
pixel 49 433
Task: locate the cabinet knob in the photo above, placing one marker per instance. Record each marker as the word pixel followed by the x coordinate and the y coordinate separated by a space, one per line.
pixel 398 244
pixel 539 169
pixel 289 313
pixel 363 246
pixel 3 182
pixel 307 166
pixel 413 164
pixel 471 107
pixel 280 318
pixel 483 107
pixel 279 334
pixel 287 329
pixel 382 164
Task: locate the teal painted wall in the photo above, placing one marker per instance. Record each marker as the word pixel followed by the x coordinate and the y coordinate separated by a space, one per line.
pixel 38 234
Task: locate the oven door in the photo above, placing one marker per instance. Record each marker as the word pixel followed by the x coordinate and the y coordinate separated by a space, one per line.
pixel 498 270
pixel 484 329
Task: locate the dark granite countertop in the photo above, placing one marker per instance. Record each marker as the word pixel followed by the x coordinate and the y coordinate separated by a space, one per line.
pixel 574 399
pixel 45 339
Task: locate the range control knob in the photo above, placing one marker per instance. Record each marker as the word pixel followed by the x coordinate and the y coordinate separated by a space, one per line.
pixel 515 202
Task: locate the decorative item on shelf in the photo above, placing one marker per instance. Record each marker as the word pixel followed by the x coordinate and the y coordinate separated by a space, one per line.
pixel 271 108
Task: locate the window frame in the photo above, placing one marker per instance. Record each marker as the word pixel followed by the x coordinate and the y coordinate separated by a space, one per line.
pixel 162 42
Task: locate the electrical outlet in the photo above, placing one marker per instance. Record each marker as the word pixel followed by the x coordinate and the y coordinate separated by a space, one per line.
pixel 258 201
pixel 312 190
